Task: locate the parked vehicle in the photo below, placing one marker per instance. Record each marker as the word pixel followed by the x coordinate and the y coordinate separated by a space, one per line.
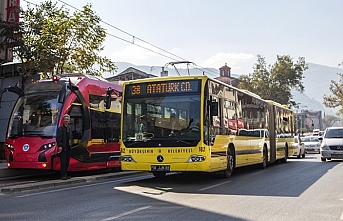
pixel 300 148
pixel 332 144
pixel 312 144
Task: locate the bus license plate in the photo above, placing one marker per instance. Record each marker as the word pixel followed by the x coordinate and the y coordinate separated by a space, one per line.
pixel 165 168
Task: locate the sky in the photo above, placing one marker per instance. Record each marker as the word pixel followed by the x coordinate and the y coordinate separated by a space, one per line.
pixel 212 33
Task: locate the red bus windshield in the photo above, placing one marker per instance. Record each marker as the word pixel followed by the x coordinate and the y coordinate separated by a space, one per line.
pixel 35 115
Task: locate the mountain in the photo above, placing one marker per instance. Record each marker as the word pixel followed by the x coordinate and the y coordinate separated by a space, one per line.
pixel 317 80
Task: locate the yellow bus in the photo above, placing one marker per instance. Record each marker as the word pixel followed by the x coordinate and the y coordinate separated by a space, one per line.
pixel 195 123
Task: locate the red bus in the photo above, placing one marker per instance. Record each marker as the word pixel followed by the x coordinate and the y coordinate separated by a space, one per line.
pixel 31 131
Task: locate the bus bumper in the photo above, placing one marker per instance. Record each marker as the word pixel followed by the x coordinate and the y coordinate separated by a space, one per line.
pixel 174 167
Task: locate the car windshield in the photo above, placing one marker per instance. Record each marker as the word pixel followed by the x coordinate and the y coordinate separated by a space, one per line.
pixel 334 133
pixel 310 139
pixel 35 115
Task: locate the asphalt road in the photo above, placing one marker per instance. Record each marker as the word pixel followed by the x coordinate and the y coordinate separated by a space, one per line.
pixel 301 189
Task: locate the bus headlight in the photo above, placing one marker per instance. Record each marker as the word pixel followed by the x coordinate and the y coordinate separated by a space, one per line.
pixel 9 146
pixel 47 146
pixel 196 158
pixel 127 159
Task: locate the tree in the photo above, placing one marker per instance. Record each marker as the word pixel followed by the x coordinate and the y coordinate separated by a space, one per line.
pixel 54 42
pixel 336 99
pixel 275 82
pixel 330 120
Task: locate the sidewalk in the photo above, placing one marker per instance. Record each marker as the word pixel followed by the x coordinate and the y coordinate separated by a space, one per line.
pixel 5 172
pixel 58 182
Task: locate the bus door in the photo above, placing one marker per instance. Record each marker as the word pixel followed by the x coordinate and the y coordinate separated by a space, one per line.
pixel 80 123
pixel 105 129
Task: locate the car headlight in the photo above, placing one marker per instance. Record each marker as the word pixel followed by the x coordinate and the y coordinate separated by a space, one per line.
pixel 325 147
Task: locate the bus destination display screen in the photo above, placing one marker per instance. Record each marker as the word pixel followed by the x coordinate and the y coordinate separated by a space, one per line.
pixel 162 87
pixel 44 86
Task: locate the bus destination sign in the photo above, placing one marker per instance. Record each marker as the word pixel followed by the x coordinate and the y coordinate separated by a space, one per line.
pixel 44 86
pixel 165 87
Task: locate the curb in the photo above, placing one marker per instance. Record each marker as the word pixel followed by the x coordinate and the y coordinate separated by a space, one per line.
pixel 58 183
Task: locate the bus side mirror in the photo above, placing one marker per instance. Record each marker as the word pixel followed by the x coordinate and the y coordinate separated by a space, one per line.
pixel 214 108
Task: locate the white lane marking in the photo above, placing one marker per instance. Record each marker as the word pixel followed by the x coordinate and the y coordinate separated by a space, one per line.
pixel 209 187
pixel 88 185
pixel 126 213
pixel 341 216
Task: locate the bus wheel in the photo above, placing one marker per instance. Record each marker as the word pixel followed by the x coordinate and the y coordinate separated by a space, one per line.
pixel 265 158
pixel 230 165
pixel 284 160
pixel 159 174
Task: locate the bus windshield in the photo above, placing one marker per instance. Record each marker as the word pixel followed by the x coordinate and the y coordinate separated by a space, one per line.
pixel 162 120
pixel 35 115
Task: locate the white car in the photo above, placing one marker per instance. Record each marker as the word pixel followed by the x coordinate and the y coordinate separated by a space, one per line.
pixel 332 144
pixel 315 132
pixel 312 144
pixel 300 149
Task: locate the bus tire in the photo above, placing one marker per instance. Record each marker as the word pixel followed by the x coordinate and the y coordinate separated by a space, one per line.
pixel 265 158
pixel 284 160
pixel 230 164
pixel 159 175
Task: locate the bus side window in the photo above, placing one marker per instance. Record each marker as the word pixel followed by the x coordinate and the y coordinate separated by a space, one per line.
pixel 76 121
pixel 98 124
pixel 112 127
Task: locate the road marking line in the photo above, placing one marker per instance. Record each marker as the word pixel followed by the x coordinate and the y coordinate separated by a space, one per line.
pixel 75 187
pixel 126 213
pixel 209 187
pixel 341 216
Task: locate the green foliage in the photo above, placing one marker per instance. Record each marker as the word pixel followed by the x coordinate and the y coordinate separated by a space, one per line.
pixel 336 99
pixel 330 120
pixel 275 82
pixel 55 41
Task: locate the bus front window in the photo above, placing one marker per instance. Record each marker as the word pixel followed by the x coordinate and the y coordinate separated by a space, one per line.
pixel 169 120
pixel 35 115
